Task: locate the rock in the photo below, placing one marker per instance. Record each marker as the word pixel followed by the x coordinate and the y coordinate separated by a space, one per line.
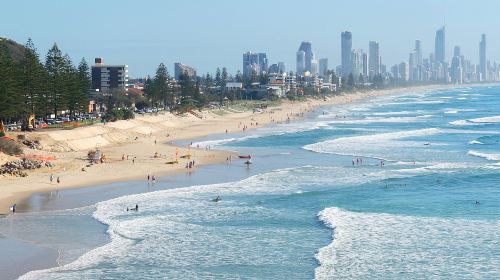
pixel 18 167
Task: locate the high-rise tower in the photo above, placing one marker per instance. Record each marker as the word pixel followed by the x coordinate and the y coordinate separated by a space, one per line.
pixel 482 58
pixel 346 49
pixel 374 59
pixel 439 50
pixel 306 47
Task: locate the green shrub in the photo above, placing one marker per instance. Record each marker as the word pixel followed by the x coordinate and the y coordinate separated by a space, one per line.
pixel 119 114
pixel 128 114
pixel 2 134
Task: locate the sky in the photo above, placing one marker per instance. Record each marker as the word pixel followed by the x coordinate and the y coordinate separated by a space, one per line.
pixel 210 34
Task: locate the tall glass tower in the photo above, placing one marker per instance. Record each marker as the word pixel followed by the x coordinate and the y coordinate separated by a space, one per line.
pixel 346 49
pixel 482 58
pixel 439 50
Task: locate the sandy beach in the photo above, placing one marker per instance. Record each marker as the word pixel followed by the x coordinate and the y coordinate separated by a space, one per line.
pixel 130 146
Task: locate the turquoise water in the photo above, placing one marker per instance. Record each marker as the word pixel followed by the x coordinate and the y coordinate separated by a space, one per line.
pixel 302 210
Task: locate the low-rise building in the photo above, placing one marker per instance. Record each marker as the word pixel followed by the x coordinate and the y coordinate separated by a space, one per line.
pixel 108 77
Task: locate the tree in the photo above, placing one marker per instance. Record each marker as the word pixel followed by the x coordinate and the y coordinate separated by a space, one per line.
pixel 10 89
pixel 208 81
pixel 54 64
pixel 188 92
pixel 161 87
pixel 31 76
pixel 148 88
pixel 224 77
pixel 73 98
pixel 218 78
pixel 84 76
pixel 238 78
pixel 263 79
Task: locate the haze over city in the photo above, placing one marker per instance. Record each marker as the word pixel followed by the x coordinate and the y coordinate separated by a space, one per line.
pixel 207 35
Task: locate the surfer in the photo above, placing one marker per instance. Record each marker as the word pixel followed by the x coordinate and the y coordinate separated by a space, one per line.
pixel 477 202
pixel 217 199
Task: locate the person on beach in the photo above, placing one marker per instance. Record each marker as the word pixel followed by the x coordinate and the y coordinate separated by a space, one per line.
pixel 51 178
pixel 13 208
pixel 58 180
pixel 148 177
pixel 153 178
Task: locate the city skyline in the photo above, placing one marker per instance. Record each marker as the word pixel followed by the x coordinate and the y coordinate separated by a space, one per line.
pixel 140 45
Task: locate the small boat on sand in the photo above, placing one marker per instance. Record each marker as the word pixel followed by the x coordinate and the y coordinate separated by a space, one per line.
pixel 245 156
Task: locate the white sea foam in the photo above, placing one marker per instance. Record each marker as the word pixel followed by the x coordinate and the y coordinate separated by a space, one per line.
pixel 463 123
pixel 447 248
pixel 370 120
pixel 396 113
pixel 163 230
pixel 384 146
pixel 488 156
pixel 440 167
pixel 492 119
pixel 477 121
pixel 475 142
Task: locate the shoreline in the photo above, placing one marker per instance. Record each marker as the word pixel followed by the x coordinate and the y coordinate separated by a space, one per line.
pixel 144 136
pixel 212 157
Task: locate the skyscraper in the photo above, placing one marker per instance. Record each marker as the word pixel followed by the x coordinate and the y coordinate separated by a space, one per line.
pixel 254 62
pixel 323 67
pixel 306 47
pixel 281 67
pixel 263 62
pixel 356 63
pixel 456 66
pixel 365 65
pixel 374 59
pixel 314 67
pixel 413 73
pixel 346 49
pixel 418 51
pixel 482 58
pixel 301 62
pixel 456 51
pixel 439 48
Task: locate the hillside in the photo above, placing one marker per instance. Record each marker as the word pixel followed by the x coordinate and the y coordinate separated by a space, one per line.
pixel 16 50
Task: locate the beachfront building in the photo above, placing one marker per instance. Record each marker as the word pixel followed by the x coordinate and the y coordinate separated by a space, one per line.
pixel 108 77
pixel 180 69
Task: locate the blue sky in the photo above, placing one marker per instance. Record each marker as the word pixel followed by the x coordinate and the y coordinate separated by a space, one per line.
pixel 208 34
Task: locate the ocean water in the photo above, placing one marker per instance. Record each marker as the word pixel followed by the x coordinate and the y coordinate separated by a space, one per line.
pixel 306 210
